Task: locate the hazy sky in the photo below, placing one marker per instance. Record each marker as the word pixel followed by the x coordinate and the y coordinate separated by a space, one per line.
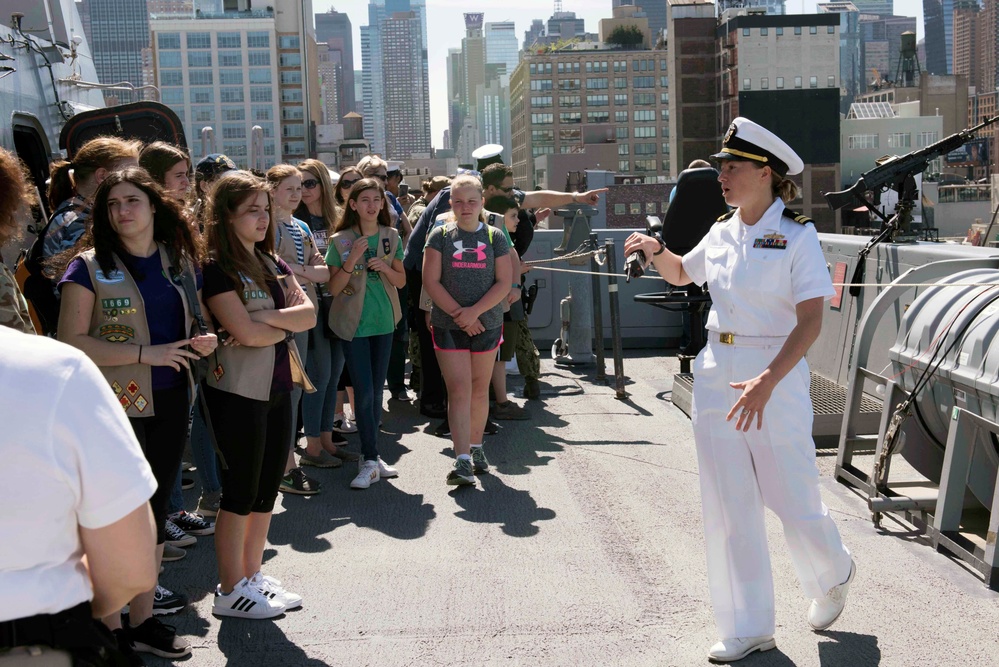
pixel 446 27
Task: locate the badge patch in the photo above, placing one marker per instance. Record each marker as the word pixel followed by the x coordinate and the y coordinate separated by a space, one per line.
pixel 218 373
pixel 116 388
pixel 116 303
pixel 348 291
pixel 119 332
pixel 386 246
pixel 140 403
pixel 125 403
pixel 132 388
pixel 115 276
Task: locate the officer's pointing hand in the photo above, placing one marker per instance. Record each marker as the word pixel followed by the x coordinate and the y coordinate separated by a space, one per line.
pixel 755 396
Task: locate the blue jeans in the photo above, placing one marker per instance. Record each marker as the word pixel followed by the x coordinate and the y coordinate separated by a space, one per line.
pixel 368 360
pixel 324 366
pixel 302 343
pixel 204 459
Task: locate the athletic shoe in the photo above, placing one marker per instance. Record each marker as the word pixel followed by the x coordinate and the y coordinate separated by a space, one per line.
pixel 443 430
pixel 245 601
pixel 167 602
pixel 186 483
pixel 508 410
pixel 159 639
pixel 403 395
pixel 462 474
pixel 479 462
pixel 343 425
pixel 177 537
pixel 321 460
pixel 338 438
pixel 271 588
pixel 345 454
pixel 172 553
pixel 193 524
pixel 433 410
pixel 385 471
pixel 298 483
pixel 492 428
pixel 367 475
pixel 823 612
pixel 187 466
pixel 737 648
pixel 208 505
pixel 126 649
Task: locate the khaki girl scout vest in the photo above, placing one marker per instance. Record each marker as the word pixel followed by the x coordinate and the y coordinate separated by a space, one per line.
pixel 248 371
pixel 288 251
pixel 345 313
pixel 120 317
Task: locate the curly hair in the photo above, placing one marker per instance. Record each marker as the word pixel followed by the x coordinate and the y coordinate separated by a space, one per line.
pixel 17 194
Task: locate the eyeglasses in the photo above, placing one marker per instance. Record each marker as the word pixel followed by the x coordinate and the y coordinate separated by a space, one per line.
pixel 507 190
pixel 381 177
pixel 310 183
pixel 347 184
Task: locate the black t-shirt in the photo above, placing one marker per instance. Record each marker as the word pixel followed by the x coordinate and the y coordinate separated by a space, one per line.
pixel 218 281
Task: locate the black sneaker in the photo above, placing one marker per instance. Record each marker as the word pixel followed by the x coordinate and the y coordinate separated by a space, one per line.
pixel 298 483
pixel 192 523
pixel 492 428
pixel 159 639
pixel 125 647
pixel 338 439
pixel 444 430
pixel 167 602
pixel 186 483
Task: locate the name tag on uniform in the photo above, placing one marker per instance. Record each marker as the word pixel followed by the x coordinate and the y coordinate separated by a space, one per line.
pixel 772 241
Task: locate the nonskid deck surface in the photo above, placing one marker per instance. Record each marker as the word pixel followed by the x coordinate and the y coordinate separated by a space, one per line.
pixel 583 547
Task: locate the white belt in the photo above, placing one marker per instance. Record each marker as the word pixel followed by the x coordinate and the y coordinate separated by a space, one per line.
pixel 738 340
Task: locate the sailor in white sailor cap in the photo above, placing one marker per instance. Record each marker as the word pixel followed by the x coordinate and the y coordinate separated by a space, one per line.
pixel 752 414
pixel 486 155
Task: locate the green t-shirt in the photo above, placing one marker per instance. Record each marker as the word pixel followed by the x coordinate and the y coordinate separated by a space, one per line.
pixel 376 314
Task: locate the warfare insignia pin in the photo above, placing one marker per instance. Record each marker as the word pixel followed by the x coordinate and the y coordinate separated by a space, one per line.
pixel 132 388
pixel 116 388
pixel 141 403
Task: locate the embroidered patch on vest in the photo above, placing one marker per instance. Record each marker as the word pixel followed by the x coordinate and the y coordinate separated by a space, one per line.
pixel 218 372
pixel 140 403
pixel 125 403
pixel 116 303
pixel 348 291
pixel 132 388
pixel 770 244
pixel 116 388
pixel 254 294
pixel 115 276
pixel 116 333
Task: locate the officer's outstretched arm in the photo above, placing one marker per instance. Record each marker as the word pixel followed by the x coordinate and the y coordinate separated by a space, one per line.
pixel 667 263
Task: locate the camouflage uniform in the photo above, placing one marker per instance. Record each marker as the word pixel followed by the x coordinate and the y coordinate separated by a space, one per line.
pixel 528 357
pixel 13 307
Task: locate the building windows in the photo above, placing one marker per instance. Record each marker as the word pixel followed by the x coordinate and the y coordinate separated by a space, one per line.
pixel 831 29
pixel 170 59
pixel 572 134
pixel 542 135
pixel 663 98
pixel 621 99
pixel 259 58
pixel 745 32
pixel 900 140
pixel 780 31
pixel 267 129
pixel 597 100
pixel 645 165
pixel 623 149
pixel 831 81
pixel 780 82
pixel 294 77
pixel 172 96
pixel 862 141
pixel 644 82
pixel 664 81
pixel 541 84
pixel 640 115
pixel 202 96
pixel 597 116
pixel 290 59
pixel 624 166
pixel 797 30
pixel 203 114
pixel 231 77
pixel 797 82
pixel 542 118
pixel 229 40
pixel 260 75
pixel 564 68
pixel 650 208
pixel 288 42
pixel 747 84
pixel 566 148
pixel 664 114
pixel 294 95
pixel 621 132
pixel 813 30
pixel 570 117
pixel 665 150
pixel 295 131
pixel 620 82
pixel 200 77
pixel 231 95
pixel 620 116
pixel 260 94
pixel 233 131
pixel 620 209
pixel 233 113
pixel 541 101
pixel 764 32
pixel 199 40
pixel 168 40
pixel 542 150
pixel 261 113
pixel 813 82
pixel 596 84
pixel 294 147
pixel 645 99
pixel 199 58
pixel 230 59
pixel 645 149
pixel 258 40
pixel 569 101
pixel 620 65
pixel 635 208
pixel 645 132
pixel 293 113
pixel 765 83
pixel 173 77
pixel 567 84
pixel 235 150
pixel 926 138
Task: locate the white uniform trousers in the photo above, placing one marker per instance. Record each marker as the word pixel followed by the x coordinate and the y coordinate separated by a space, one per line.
pixel 741 473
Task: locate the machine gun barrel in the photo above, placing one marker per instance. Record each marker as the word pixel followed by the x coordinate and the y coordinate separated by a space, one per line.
pixel 895 169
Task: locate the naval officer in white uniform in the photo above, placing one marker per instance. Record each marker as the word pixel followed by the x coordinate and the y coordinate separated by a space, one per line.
pixel 752 415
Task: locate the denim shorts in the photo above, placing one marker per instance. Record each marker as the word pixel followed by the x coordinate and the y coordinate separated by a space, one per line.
pixel 454 340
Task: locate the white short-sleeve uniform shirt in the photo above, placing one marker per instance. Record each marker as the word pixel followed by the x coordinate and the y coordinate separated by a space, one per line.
pixel 757 274
pixel 69 459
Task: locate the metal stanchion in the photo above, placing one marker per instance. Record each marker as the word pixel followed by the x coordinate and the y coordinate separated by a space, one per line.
pixel 615 318
pixel 598 313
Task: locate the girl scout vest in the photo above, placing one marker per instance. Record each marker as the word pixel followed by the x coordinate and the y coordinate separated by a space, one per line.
pixel 120 317
pixel 345 313
pixel 248 371
pixel 296 247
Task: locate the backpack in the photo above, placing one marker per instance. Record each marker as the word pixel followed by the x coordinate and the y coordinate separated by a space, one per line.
pixel 38 289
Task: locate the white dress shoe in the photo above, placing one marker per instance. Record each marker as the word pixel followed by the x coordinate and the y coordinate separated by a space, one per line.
pixel 730 650
pixel 823 612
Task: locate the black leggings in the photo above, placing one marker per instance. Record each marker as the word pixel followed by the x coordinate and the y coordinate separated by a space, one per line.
pixel 254 437
pixel 163 437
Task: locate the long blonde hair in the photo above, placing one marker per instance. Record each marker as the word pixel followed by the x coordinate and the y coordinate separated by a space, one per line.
pixel 322 174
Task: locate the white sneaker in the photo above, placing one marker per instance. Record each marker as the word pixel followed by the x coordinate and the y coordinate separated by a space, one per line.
pixel 245 601
pixel 385 471
pixel 367 474
pixel 730 650
pixel 342 424
pixel 271 588
pixel 823 612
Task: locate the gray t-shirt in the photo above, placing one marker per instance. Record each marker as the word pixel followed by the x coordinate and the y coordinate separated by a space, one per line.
pixel 468 269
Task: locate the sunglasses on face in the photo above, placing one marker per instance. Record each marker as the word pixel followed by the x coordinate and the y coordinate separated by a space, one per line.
pixel 507 190
pixel 381 177
pixel 348 184
pixel 310 183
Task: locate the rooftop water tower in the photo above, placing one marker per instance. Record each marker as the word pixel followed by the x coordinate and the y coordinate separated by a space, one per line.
pixel 907 72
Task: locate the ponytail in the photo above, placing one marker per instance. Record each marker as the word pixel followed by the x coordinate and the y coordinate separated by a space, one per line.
pixel 783 188
pixel 61 186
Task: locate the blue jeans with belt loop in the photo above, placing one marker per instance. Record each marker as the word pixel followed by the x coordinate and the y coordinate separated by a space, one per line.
pixel 368 360
pixel 324 366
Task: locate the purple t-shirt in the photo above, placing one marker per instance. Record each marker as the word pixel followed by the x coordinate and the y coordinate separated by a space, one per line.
pixel 163 304
pixel 218 281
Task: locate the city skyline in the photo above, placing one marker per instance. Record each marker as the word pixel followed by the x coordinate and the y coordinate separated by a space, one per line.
pixel 445 28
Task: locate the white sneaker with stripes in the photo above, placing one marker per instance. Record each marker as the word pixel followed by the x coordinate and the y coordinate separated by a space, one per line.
pixel 245 601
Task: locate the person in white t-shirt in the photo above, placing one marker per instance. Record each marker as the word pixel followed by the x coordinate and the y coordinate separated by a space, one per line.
pixel 74 486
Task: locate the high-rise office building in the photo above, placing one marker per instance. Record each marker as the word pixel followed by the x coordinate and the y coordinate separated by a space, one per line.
pixel 967 55
pixel 334 28
pixel 938 20
pixel 693 72
pixel 772 6
pixel 534 34
pixel 655 11
pixel 851 61
pixel 119 31
pixel 502 47
pixel 881 44
pixel 407 102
